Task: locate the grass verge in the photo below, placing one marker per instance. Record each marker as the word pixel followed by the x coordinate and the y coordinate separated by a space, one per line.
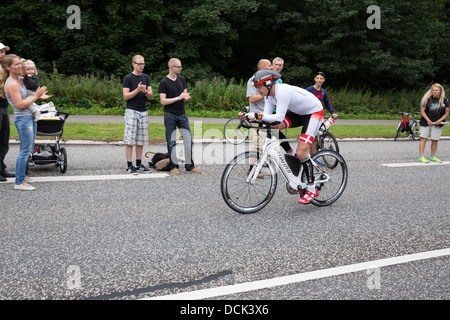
pixel 114 132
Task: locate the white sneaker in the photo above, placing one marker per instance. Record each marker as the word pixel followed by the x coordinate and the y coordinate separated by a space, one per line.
pixel 24 186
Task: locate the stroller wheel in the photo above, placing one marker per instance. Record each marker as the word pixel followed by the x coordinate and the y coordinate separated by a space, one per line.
pixel 62 160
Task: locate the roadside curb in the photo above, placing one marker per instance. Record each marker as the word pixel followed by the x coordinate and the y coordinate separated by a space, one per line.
pixel 196 141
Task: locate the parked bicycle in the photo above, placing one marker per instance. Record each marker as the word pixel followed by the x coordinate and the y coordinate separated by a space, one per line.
pixel 236 130
pixel 411 128
pixel 326 141
pixel 245 192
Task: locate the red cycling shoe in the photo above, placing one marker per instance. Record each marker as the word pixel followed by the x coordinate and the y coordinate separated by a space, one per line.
pixel 308 197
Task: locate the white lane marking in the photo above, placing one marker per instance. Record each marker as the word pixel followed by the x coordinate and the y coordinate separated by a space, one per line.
pixel 64 178
pixel 414 164
pixel 301 277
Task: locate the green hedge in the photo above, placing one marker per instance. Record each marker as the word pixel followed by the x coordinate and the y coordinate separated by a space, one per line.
pixel 351 101
pixel 87 91
pixel 104 95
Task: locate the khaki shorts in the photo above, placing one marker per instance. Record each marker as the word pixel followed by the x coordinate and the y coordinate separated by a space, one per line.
pixel 259 138
pixel 431 132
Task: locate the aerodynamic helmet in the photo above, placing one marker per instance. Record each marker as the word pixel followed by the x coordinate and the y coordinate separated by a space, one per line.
pixel 265 77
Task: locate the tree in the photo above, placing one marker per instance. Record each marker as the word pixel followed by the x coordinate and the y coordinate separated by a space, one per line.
pixel 226 38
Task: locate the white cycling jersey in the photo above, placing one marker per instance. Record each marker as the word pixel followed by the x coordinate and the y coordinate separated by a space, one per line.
pixel 295 99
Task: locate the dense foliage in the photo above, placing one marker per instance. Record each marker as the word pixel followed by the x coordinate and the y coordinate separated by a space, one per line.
pixel 226 38
pixel 215 97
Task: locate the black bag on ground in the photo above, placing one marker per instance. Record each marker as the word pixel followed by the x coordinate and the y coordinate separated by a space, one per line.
pixel 160 161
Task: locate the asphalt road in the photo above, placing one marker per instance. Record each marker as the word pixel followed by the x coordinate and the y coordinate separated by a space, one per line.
pixel 147 238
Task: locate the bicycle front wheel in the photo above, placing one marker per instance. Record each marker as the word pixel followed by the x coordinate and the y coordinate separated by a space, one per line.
pixel 330 182
pixel 241 195
pixel 234 132
pixel 399 129
pixel 330 142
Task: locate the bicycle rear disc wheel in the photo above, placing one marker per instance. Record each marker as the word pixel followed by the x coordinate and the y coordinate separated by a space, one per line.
pixel 234 132
pixel 242 196
pixel 330 182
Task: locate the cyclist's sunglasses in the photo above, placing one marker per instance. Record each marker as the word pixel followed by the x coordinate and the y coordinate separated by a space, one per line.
pixel 259 84
pixel 320 73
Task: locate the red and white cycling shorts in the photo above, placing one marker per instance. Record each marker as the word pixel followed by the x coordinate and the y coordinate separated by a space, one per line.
pixel 310 124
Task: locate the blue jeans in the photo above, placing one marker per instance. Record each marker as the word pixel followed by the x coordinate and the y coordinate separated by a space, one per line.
pixel 26 128
pixel 172 122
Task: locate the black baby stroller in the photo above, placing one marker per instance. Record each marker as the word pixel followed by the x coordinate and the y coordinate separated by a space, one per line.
pixel 51 123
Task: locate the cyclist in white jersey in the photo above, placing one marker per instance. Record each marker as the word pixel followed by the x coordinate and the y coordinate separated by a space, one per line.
pixel 295 107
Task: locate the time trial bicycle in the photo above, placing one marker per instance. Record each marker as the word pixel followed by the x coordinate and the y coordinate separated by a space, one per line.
pixel 248 191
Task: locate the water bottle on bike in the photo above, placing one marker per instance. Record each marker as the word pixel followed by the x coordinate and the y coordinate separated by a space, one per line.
pixel 326 125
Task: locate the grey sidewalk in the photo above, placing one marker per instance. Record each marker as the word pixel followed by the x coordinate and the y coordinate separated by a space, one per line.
pixel 160 119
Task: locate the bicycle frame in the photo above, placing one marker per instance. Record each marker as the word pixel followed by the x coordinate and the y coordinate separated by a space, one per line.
pixel 411 127
pixel 272 154
pixel 414 121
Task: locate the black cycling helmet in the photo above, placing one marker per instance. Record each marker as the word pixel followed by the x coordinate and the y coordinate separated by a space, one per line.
pixel 266 78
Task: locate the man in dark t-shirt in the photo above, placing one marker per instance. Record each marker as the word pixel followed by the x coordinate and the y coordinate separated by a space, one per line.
pixel 136 89
pixel 172 93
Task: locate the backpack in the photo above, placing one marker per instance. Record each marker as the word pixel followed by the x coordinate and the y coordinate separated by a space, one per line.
pixel 160 161
pixel 406 126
